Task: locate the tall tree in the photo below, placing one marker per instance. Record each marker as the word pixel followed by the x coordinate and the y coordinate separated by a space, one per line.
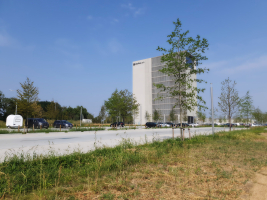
pixel 121 103
pixel 37 110
pixel 26 97
pixel 52 111
pixel 246 106
pixel 180 64
pixel 156 115
pixel 229 100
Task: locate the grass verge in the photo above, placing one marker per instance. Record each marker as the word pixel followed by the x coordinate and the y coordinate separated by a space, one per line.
pixel 204 167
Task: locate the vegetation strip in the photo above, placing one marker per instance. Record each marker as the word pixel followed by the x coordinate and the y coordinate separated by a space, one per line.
pixel 205 166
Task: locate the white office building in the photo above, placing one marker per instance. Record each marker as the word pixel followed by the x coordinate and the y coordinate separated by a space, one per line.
pixel 145 74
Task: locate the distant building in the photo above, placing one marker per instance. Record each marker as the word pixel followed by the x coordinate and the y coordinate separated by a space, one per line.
pixel 145 74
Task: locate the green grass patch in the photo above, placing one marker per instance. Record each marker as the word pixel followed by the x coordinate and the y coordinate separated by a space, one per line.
pixel 107 169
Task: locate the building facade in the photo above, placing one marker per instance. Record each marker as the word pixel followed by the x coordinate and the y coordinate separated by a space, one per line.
pixel 145 74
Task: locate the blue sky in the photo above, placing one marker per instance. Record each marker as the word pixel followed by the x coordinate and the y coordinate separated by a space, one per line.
pixel 79 52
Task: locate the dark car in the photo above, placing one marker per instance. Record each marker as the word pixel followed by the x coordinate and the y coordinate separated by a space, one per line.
pixel 171 124
pixel 117 124
pixel 63 123
pixel 151 124
pixel 228 124
pixel 37 123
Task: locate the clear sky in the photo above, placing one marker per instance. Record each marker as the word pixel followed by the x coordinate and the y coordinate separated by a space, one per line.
pixel 79 52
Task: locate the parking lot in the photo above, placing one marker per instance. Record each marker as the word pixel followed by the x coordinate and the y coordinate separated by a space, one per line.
pixel 61 143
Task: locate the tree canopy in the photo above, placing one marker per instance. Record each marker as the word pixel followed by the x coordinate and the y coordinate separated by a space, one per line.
pixel 26 97
pixel 228 100
pixel 121 104
pixel 180 64
pixel 246 106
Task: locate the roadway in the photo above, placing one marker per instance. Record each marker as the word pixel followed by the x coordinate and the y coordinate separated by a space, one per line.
pixel 61 143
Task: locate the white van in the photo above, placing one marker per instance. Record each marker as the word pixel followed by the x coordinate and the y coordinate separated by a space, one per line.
pixel 13 121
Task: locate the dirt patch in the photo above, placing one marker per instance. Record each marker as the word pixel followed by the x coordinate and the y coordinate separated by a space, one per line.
pixel 258 187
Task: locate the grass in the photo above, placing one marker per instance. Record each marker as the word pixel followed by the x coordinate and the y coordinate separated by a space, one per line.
pixel 204 167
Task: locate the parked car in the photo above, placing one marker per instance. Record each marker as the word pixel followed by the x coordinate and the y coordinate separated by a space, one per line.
pixel 228 124
pixel 236 124
pixel 162 124
pixel 151 124
pixel 193 124
pixel 117 124
pixel 63 123
pixel 183 124
pixel 37 123
pixel 171 124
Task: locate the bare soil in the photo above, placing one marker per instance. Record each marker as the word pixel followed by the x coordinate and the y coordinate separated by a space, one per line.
pixel 257 187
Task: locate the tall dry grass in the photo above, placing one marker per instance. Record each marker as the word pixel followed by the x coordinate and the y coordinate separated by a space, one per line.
pixel 205 167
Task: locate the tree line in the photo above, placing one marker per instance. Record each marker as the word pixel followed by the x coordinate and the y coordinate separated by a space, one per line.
pixel 232 108
pixel 28 105
pixel 120 106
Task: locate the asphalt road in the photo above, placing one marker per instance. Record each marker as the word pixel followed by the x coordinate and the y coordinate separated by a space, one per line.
pixel 61 143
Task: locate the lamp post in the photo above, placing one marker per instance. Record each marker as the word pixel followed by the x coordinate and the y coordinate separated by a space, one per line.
pixel 211 95
pixel 81 117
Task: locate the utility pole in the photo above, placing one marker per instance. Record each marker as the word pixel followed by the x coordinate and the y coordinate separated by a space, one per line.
pixel 16 109
pixel 164 118
pixel 211 95
pixel 81 117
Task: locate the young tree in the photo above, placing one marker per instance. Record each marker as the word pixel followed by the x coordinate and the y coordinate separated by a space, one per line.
pixel 172 115
pixel 26 97
pixel 246 106
pixel 185 118
pixel 258 115
pixel 201 116
pixel 121 103
pixel 180 64
pixel 229 100
pixel 147 116
pixel 156 115
pixel 102 113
